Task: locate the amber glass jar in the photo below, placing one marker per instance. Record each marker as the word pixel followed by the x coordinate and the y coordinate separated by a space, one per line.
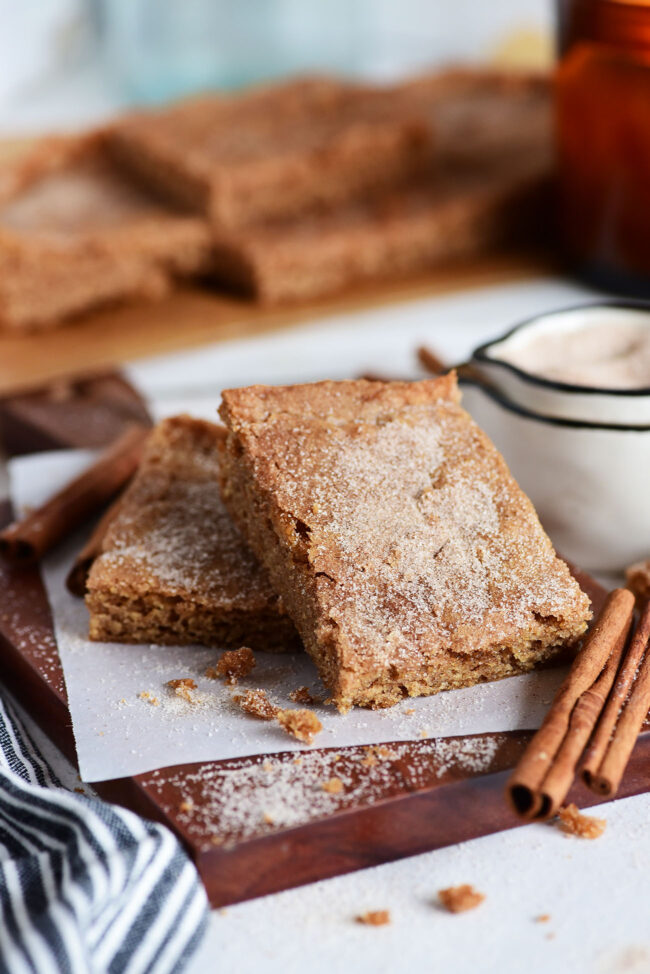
pixel 603 135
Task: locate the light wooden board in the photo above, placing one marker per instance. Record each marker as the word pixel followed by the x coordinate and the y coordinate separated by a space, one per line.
pixel 194 316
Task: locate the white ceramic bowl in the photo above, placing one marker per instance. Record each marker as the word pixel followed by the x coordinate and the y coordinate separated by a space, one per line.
pixel 588 481
pixel 560 399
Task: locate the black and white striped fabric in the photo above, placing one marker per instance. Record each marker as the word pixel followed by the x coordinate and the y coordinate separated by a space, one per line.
pixel 86 886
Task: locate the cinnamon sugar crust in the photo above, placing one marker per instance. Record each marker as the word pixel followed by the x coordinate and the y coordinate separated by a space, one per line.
pixel 75 234
pixel 406 554
pixel 173 568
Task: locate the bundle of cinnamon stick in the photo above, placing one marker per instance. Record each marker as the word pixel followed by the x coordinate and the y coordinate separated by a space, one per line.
pixel 600 707
pixel 30 538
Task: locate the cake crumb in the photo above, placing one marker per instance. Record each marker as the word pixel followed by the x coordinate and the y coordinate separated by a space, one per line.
pixel 457 899
pixel 334 786
pixel 369 761
pixel 374 918
pixel 149 697
pixel 297 761
pixel 268 818
pixel 573 822
pixel 303 724
pixel 303 695
pixel 183 688
pixel 637 579
pixel 257 704
pixel 216 840
pixel 267 766
pixel 411 710
pixel 234 665
pixel 186 806
pixel 543 918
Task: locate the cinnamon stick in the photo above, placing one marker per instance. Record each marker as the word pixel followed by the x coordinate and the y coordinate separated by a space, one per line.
pixel 430 361
pixel 78 574
pixel 591 672
pixel 27 540
pixel 621 721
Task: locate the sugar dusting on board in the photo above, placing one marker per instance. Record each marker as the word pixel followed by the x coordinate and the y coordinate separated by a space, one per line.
pixel 219 804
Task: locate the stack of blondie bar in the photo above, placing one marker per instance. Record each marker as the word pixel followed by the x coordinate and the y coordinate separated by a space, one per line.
pixel 286 192
pixel 374 517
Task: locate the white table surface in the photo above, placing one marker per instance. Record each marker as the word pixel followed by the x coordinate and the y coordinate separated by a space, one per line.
pixel 596 892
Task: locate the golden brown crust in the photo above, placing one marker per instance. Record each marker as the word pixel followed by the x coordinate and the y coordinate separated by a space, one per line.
pixel 404 551
pixel 173 567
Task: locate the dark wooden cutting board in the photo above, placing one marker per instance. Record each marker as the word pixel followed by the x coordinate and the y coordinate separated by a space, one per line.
pixel 403 799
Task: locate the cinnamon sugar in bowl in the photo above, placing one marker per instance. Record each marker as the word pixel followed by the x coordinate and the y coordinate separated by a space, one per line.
pixel 566 398
pixel 588 363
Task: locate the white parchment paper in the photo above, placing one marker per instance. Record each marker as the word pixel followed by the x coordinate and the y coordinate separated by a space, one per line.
pixel 120 733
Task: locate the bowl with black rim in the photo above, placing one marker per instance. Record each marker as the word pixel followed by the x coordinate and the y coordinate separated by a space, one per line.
pixel 533 386
pixel 589 481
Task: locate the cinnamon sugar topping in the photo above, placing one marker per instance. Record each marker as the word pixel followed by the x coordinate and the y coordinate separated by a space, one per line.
pixel 257 704
pixel 183 688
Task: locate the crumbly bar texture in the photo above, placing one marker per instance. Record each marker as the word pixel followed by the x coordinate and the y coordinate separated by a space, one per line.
pixel 173 568
pixel 275 150
pixel 571 821
pixel 75 234
pixel 406 554
pixel 411 229
pixel 459 899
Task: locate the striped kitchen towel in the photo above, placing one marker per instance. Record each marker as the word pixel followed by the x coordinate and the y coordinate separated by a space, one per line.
pixel 86 886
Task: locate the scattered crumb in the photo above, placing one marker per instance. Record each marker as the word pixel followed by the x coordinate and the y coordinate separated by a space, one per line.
pixel 369 761
pixel 457 899
pixel 268 818
pixel 267 766
pixel 334 786
pixel 543 918
pixel 223 911
pixel 374 918
pixel 257 704
pixel 337 757
pixel 303 724
pixel 303 695
pixel 80 791
pixel 297 761
pixel 573 822
pixel 637 579
pixel 216 840
pixel 186 806
pixel 411 710
pixel 183 688
pixel 150 698
pixel 234 665
pixel 424 733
